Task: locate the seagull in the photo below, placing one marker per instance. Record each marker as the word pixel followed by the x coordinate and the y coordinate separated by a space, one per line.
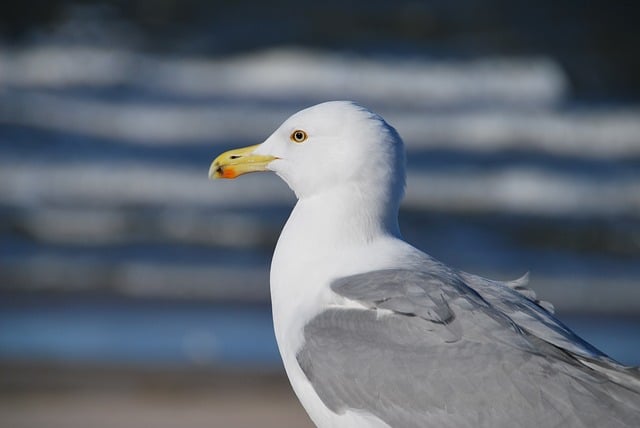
pixel 376 333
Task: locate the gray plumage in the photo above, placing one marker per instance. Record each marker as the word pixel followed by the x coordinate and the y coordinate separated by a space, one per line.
pixel 447 349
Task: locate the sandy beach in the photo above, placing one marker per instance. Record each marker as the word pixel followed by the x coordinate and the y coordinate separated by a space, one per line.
pixel 72 397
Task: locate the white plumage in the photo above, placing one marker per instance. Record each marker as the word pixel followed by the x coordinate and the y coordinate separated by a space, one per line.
pixel 374 332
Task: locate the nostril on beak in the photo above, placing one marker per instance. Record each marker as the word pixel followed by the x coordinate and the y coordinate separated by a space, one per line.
pixel 235 157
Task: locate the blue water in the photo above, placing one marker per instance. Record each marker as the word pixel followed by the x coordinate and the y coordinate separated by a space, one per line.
pixel 576 248
pixel 97 329
pixel 122 331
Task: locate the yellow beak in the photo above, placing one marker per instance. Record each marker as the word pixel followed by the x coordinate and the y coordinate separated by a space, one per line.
pixel 236 162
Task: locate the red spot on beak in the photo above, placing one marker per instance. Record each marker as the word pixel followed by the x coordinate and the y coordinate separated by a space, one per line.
pixel 228 172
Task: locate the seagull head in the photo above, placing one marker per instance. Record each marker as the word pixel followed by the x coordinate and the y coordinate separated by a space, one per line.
pixel 325 147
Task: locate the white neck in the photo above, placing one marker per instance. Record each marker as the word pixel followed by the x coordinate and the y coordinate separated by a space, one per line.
pixel 348 215
pixel 312 248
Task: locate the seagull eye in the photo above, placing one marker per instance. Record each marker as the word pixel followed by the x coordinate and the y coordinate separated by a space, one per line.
pixel 298 136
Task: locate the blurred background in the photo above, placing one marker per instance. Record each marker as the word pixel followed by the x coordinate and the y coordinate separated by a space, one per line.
pixel 134 292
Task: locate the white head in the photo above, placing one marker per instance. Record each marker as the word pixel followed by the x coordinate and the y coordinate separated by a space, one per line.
pixel 328 146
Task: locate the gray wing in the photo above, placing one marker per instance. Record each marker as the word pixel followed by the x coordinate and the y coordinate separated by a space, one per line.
pixel 431 351
pixel 521 305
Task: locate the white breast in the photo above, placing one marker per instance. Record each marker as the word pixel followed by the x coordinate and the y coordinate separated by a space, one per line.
pixel 305 262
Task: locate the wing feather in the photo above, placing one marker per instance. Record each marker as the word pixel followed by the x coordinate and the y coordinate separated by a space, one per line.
pixel 404 368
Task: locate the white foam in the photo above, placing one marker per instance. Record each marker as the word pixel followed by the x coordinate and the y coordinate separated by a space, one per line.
pixel 507 189
pixel 286 74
